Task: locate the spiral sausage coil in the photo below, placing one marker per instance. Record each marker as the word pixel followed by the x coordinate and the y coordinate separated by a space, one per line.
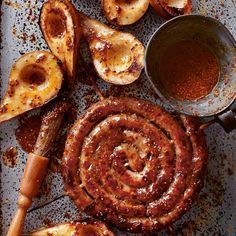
pixel 132 164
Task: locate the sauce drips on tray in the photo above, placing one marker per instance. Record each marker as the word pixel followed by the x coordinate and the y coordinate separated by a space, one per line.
pixel 10 157
pixel 188 70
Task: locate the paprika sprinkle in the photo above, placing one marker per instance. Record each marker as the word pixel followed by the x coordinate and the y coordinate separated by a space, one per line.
pixel 188 70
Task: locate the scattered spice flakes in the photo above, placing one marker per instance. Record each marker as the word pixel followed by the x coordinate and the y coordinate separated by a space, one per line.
pixel 31 14
pixel 47 222
pixel 10 157
pixel 222 4
pixel 67 215
pixel 24 36
pixel 186 229
pixel 89 98
pixel 14 30
pixel 45 188
pixel 130 89
pixel 32 38
pixel 208 203
pixel 12 4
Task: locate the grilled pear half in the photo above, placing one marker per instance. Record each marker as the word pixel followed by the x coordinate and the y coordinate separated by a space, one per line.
pixel 124 12
pixel 171 8
pixel 117 57
pixel 61 29
pixel 75 229
pixel 156 5
pixel 35 79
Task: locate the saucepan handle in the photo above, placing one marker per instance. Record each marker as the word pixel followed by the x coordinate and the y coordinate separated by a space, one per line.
pixel 227 120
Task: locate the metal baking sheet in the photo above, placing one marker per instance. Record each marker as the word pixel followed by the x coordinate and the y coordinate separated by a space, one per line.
pixel 214 212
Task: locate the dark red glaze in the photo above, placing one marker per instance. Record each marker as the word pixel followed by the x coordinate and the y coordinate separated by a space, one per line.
pixel 132 164
pixel 27 131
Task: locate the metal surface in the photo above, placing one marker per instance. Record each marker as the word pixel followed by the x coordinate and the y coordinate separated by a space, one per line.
pixel 218 39
pixel 213 214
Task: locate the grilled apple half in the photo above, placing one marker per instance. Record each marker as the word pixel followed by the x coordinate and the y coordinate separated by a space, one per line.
pixel 61 29
pixel 118 57
pixel 35 79
pixel 123 12
pixel 171 8
pixel 75 228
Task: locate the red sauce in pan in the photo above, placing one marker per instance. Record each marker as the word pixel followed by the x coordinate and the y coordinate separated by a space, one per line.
pixel 188 70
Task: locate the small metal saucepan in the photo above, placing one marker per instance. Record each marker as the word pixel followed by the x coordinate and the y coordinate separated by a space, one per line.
pixel 218 39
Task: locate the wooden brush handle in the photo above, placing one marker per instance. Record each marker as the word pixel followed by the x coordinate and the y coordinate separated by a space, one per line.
pixel 35 170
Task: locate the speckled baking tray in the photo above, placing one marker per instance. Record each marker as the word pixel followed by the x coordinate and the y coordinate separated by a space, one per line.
pixel 215 211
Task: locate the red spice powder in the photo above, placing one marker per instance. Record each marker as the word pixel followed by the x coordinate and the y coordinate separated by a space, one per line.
pixel 188 70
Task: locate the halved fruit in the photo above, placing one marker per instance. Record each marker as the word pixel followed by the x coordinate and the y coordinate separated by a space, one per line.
pixel 35 79
pixel 156 5
pixel 123 12
pixel 75 228
pixel 60 26
pixel 170 8
pixel 177 7
pixel 118 57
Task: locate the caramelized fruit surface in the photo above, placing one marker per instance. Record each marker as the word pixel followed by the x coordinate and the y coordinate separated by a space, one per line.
pixel 34 80
pixel 170 8
pixel 60 26
pixel 117 57
pixel 124 12
pixel 75 229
